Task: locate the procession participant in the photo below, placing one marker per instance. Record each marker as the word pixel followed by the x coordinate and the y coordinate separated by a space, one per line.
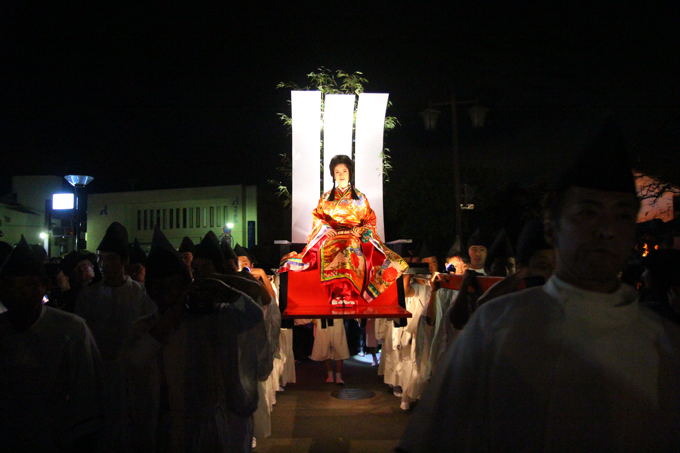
pixel 50 367
pixel 110 307
pixel 186 249
pixel 272 321
pixel 535 263
pixel 194 363
pixel 456 262
pixel 501 256
pixel 353 262
pixel 80 267
pixel 135 267
pixel 574 364
pixel 414 365
pixel 330 347
pixel 246 263
pixel 478 249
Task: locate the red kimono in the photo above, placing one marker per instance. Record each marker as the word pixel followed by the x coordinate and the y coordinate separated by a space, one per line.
pixel 351 267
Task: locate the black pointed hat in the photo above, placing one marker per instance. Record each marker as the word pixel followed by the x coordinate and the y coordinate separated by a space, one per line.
pixel 242 251
pixel 22 262
pixel 39 252
pixel 163 259
pixel 227 251
pixel 479 237
pixel 501 247
pixel 455 249
pixel 137 254
pixel 187 245
pixel 531 239
pixel 424 251
pixel 209 248
pixel 603 164
pixel 115 240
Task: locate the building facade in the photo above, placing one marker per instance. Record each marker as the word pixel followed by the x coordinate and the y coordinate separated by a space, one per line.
pixel 226 210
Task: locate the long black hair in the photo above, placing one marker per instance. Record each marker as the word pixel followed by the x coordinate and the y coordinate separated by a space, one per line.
pixel 335 161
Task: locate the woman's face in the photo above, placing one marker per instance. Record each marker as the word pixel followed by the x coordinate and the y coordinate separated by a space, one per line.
pixel 341 175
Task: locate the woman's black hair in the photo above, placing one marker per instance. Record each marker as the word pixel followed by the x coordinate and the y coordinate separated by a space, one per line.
pixel 335 161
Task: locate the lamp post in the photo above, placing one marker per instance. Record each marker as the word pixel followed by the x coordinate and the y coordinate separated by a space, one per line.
pixel 80 209
pixel 477 114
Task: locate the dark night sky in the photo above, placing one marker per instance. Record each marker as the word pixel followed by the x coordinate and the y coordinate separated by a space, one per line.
pixel 154 97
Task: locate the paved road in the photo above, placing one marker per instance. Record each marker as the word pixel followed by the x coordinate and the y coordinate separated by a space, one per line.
pixel 307 418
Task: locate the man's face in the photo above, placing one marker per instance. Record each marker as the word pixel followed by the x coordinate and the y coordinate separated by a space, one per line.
pixel 432 263
pixel 594 234
pixel 112 265
pixel 542 263
pixel 458 264
pixel 84 271
pixel 244 261
pixel 203 267
pixel 22 294
pixel 477 256
pixel 187 257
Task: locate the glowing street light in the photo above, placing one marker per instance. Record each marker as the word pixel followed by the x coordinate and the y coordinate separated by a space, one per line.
pixel 80 212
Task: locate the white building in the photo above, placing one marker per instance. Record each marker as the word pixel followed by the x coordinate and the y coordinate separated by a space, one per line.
pixel 188 212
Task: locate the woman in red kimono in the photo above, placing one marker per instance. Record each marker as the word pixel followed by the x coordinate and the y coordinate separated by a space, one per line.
pixel 353 262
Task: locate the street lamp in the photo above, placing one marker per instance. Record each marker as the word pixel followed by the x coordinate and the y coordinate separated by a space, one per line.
pixel 477 114
pixel 80 209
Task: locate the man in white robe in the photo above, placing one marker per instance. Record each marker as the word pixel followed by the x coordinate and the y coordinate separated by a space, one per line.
pixel 110 307
pixel 195 369
pixel 49 366
pixel 575 365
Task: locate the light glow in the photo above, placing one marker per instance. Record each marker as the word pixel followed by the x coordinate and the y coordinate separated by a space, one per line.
pixel 230 225
pixel 43 235
pixel 62 201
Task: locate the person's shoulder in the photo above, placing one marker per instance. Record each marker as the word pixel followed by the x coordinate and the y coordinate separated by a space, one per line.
pixel 528 302
pixel 68 322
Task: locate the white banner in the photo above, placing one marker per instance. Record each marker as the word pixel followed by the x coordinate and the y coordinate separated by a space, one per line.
pixel 338 119
pixel 306 116
pixel 368 151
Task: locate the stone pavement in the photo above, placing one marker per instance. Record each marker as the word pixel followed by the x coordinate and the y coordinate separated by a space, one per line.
pixel 307 418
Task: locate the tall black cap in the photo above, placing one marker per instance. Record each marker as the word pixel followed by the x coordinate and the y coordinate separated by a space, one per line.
pixel 22 262
pixel 209 248
pixel 115 240
pixel 187 245
pixel 603 164
pixel 163 259
pixel 137 254
pixel 479 237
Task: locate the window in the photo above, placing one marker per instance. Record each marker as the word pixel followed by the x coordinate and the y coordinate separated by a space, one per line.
pixel 146 219
pixel 177 218
pixel 158 217
pixel 218 216
pixel 171 218
pixel 212 216
pixel 225 210
pixel 139 219
pixel 204 217
pixel 198 218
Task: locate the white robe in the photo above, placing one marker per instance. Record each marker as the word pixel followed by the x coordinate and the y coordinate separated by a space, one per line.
pixel 441 339
pixel 197 392
pixel 329 343
pixel 412 377
pixel 110 313
pixel 555 368
pixel 49 383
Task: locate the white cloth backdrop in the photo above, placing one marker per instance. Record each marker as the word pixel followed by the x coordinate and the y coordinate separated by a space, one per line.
pixel 337 129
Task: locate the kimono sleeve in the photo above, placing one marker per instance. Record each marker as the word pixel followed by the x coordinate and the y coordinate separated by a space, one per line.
pixel 368 223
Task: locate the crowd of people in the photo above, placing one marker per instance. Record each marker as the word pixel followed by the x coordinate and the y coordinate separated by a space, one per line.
pixel 560 341
pixel 180 350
